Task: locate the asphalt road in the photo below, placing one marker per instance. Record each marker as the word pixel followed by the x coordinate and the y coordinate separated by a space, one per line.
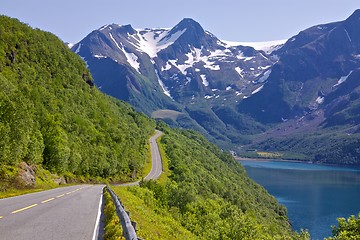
pixel 156 168
pixel 61 213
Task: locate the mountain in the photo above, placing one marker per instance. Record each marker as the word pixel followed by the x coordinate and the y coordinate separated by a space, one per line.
pixel 180 75
pixel 312 65
pixel 236 94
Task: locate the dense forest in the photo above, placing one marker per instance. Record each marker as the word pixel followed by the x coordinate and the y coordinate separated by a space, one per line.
pixel 52 117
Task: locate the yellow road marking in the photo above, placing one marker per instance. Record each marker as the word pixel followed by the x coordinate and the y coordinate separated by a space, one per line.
pixel 22 209
pixel 60 196
pixel 48 200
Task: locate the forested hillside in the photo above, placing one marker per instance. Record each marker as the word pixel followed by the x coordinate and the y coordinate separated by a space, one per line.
pixel 52 117
pixel 208 193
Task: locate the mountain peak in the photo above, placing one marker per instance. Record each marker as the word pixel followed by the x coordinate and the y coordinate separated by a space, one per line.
pixel 354 17
pixel 189 24
pixel 356 13
pixel 122 29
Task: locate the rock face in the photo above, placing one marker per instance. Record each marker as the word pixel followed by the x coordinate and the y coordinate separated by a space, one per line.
pixel 313 65
pixel 26 176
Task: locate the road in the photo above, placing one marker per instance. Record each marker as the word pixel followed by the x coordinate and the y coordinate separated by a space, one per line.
pixel 156 168
pixel 61 213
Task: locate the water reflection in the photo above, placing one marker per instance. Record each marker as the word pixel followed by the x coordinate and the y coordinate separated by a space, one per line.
pixel 314 195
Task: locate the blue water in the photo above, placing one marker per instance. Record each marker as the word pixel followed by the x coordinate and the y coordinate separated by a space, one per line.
pixel 315 195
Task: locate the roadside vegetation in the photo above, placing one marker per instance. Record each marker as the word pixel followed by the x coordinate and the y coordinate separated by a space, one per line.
pixel 113 229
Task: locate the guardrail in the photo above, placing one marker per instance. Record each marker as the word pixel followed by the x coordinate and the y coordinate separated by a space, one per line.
pixel 128 229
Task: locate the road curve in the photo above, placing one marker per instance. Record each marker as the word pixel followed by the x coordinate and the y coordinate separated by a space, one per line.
pixel 156 168
pixel 61 213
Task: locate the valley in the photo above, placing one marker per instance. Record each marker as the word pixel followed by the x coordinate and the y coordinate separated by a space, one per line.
pixel 84 114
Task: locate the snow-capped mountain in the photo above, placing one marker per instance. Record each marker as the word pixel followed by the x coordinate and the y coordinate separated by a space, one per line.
pixel 183 59
pixel 192 79
pixel 178 72
pixel 313 64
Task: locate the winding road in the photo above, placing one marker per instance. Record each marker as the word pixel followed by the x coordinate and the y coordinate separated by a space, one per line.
pixel 62 213
pixel 156 168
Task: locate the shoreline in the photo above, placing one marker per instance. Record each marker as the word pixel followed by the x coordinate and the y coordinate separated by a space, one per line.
pixel 239 159
pixel 270 160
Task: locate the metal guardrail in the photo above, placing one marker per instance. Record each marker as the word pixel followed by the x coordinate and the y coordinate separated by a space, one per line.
pixel 128 228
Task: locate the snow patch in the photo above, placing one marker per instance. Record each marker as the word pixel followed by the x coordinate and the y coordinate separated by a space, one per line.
pixel 78 49
pixel 130 57
pixel 347 34
pixel 167 67
pixel 265 76
pixel 205 82
pixel 212 67
pixel 268 47
pixel 257 90
pixel 228 88
pixel 169 39
pixel 319 100
pixel 152 41
pixel 239 71
pixel 99 56
pixel 103 27
pixel 342 79
pixel 208 97
pixel 162 85
pixel 242 57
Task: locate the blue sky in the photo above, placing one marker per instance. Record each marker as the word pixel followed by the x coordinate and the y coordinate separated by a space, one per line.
pixel 233 20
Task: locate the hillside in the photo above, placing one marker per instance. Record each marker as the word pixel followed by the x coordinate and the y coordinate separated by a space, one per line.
pixel 206 193
pixel 52 117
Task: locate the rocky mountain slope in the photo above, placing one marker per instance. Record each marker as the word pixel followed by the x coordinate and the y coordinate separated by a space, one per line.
pixel 232 93
pixel 182 75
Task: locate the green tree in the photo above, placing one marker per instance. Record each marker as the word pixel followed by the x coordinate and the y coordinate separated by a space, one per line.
pixel 346 229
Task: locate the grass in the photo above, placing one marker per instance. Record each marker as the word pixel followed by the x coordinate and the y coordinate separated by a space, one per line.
pixel 165 162
pixel 148 163
pixel 10 186
pixel 269 154
pixel 163 114
pixel 152 221
pixel 113 229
